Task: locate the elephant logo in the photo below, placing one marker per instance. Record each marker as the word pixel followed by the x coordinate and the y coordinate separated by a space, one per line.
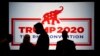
pixel 52 15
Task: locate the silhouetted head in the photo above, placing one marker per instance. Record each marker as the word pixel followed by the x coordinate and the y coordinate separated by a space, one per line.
pixel 38 28
pixel 64 35
pixel 26 38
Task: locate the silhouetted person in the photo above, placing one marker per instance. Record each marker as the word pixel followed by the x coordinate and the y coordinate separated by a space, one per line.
pixel 65 47
pixel 4 42
pixel 43 40
pixel 26 47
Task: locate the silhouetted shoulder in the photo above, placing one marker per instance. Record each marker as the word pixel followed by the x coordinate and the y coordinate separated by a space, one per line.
pixel 68 44
pixel 26 46
pixel 70 41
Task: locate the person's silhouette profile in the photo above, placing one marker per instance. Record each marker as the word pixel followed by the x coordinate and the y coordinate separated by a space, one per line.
pixel 43 39
pixel 65 47
pixel 26 47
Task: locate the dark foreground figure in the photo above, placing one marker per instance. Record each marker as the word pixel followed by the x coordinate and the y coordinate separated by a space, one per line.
pixel 42 45
pixel 65 47
pixel 27 48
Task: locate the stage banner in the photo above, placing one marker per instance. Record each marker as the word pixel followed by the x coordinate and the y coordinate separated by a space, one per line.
pixel 75 17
